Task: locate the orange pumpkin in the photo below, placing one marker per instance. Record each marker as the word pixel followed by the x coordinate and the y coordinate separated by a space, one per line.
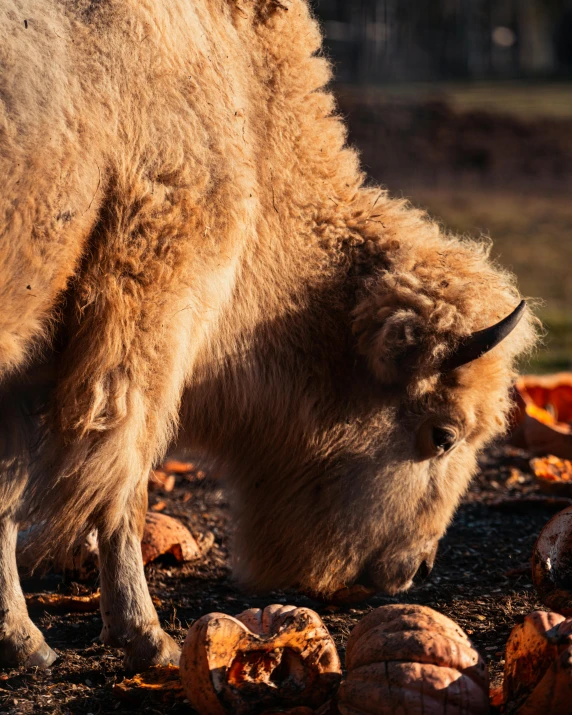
pixel 544 414
pixel 552 393
pixel 165 535
pixel 538 666
pixel 280 657
pixel 411 660
pixel 553 475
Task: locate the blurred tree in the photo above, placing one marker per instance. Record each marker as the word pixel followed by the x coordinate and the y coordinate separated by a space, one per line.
pixel 380 40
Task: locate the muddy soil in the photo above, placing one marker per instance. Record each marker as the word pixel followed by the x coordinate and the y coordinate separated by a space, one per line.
pixel 481 579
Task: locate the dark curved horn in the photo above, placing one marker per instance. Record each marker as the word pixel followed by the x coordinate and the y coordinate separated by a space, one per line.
pixel 482 341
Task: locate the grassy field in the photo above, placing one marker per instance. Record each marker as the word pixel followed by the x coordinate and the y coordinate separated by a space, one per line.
pixel 532 235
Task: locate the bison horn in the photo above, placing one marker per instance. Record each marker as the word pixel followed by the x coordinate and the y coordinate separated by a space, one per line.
pixel 482 341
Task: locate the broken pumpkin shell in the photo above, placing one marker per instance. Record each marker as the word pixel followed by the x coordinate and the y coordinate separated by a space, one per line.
pixel 174 466
pixel 158 479
pixel 411 659
pixel 282 657
pixel 553 475
pixel 162 535
pixel 161 681
pixel 538 666
pixel 552 393
pixel 552 563
pixel 544 413
pixel 165 535
pixel 59 603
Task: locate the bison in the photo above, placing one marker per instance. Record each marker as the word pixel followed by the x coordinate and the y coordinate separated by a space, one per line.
pixel 189 249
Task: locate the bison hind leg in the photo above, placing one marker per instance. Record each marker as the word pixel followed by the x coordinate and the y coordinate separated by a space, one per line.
pixel 129 617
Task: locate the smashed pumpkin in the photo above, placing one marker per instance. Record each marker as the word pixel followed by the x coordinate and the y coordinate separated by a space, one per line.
pixel 544 414
pixel 281 657
pixel 161 681
pixel 59 603
pixel 165 535
pixel 553 475
pixel 411 659
pixel 552 563
pixel 160 480
pixel 552 393
pixel 538 666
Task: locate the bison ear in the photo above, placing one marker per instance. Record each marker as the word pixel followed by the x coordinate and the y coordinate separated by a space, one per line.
pixel 401 331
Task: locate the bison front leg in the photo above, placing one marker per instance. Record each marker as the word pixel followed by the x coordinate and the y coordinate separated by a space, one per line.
pixel 21 643
pixel 129 617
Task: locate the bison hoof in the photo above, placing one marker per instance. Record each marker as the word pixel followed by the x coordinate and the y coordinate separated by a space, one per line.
pixel 152 648
pixel 27 652
pixel 42 658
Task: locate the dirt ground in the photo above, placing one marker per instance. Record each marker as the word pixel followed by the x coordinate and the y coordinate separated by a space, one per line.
pixel 481 579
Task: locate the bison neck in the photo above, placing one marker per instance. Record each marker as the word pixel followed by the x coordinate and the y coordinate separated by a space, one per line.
pixel 257 381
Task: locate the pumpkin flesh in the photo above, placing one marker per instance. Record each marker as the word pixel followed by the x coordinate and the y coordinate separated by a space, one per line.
pixel 279 657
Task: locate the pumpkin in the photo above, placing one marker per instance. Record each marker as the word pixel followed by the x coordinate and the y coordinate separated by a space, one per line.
pixel 281 657
pixel 162 682
pixel 162 535
pixel 165 535
pixel 552 563
pixel 544 414
pixel 174 466
pixel 59 603
pixel 538 666
pixel 158 479
pixel 552 393
pixel 410 660
pixel 553 475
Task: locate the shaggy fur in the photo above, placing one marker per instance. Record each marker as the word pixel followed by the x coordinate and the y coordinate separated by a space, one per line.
pixel 188 247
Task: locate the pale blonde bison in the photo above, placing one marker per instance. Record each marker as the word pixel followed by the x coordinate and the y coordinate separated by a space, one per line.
pixel 188 248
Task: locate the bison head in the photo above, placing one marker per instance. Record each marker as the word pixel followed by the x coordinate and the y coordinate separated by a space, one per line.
pixel 354 446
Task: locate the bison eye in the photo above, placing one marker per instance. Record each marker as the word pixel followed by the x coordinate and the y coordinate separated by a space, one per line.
pixel 443 438
pixel 435 440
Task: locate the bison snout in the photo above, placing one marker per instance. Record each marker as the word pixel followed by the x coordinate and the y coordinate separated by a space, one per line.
pixel 391 575
pixel 423 572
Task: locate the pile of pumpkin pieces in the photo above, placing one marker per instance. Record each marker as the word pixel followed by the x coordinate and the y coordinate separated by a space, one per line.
pixel 400 660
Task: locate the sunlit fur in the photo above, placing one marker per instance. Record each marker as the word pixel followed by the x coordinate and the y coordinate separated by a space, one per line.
pixel 181 219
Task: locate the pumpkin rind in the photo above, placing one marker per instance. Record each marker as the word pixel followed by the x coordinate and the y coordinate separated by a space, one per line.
pixel 280 657
pixel 163 535
pixel 538 666
pixel 552 563
pixel 410 659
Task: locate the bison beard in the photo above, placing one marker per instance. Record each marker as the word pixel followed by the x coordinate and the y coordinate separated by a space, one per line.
pixel 188 250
